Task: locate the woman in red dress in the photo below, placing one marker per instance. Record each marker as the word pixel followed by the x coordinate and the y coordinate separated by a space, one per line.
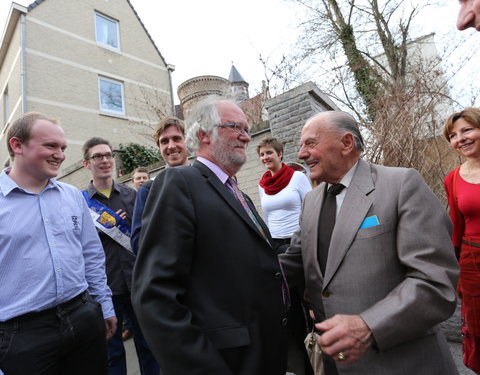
pixel 462 185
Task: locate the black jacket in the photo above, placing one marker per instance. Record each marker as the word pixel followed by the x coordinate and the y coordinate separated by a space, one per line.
pixel 206 285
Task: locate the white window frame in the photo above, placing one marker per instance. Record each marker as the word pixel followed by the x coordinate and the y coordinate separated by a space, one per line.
pixel 109 110
pixel 100 43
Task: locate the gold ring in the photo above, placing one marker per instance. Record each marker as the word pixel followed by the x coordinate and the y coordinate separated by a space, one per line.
pixel 341 356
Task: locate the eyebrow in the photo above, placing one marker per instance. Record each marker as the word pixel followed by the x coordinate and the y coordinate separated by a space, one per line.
pixel 308 139
pixel 172 137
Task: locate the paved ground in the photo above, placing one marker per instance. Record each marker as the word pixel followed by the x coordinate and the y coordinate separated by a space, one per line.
pixel 456 349
pixel 132 364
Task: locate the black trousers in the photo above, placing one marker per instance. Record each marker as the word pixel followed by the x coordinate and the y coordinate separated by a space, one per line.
pixel 66 340
pixel 299 324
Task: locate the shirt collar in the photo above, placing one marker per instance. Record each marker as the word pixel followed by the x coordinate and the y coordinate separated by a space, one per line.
pixel 347 179
pixel 222 176
pixel 7 185
pixel 91 190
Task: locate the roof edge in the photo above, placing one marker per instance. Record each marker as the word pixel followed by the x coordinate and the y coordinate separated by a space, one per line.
pixel 14 14
pixel 35 4
pixel 146 31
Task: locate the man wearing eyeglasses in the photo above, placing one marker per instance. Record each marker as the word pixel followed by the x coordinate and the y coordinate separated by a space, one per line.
pixel 111 206
pixel 207 286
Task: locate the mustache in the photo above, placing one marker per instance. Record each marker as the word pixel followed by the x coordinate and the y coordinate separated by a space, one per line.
pixel 238 144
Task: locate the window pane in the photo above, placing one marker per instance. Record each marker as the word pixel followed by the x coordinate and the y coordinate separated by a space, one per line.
pixel 106 30
pixel 111 96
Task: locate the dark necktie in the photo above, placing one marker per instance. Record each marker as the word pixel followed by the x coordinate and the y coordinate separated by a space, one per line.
pixel 326 223
pixel 232 185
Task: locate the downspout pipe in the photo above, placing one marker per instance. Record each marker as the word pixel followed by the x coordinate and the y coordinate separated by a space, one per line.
pixel 170 69
pixel 24 63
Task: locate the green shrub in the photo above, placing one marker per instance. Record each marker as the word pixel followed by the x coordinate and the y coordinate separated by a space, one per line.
pixel 134 155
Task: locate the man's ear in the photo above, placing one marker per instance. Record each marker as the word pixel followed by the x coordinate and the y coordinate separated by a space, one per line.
pixel 85 163
pixel 16 145
pixel 348 142
pixel 204 137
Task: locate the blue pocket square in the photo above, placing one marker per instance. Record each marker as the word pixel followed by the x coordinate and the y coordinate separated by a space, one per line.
pixel 370 221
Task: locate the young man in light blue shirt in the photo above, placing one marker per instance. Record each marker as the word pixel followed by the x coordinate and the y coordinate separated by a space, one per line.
pixel 55 306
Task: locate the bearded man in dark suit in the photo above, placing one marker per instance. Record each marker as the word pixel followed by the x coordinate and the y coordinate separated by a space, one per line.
pixel 208 289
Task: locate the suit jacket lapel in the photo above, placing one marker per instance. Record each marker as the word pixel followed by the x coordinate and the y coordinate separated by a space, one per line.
pixel 354 209
pixel 228 196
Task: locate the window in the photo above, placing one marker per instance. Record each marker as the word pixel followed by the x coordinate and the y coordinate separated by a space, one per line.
pixel 106 30
pixel 111 96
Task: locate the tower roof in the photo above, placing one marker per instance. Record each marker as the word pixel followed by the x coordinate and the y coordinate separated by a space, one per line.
pixel 235 76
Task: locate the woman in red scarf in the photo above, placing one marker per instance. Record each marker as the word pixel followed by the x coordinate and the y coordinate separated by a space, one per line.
pixel 462 185
pixel 282 191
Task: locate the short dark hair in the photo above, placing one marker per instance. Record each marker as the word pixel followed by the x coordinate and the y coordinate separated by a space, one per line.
pixel 21 128
pixel 92 142
pixel 470 115
pixel 140 170
pixel 166 123
pixel 275 143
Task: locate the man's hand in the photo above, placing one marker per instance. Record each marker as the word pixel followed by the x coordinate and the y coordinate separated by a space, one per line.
pixel 110 326
pixel 121 213
pixel 345 337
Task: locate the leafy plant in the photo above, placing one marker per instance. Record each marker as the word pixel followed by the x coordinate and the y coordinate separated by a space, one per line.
pixel 134 155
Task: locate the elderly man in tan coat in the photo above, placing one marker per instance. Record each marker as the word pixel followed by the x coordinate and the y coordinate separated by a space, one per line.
pixel 387 277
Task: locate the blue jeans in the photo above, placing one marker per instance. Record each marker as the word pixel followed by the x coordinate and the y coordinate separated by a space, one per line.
pixel 117 363
pixel 66 340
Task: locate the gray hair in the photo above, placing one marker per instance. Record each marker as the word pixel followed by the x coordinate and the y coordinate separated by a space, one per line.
pixel 346 123
pixel 203 117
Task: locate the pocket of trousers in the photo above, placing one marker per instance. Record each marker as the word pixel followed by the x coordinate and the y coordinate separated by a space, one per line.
pixel 6 336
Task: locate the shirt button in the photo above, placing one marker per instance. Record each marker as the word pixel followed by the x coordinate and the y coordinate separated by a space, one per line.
pixel 58 269
pixel 326 293
pixel 284 321
pixel 278 275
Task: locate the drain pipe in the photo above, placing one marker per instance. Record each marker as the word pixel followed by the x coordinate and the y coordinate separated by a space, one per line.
pixel 24 63
pixel 171 68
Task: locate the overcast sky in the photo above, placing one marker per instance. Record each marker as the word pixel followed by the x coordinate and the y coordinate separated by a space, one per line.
pixel 205 37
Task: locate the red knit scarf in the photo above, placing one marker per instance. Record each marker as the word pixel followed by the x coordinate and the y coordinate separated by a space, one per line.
pixel 272 185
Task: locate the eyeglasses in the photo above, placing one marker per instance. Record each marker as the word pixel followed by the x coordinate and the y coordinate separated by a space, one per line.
pixel 236 127
pixel 99 157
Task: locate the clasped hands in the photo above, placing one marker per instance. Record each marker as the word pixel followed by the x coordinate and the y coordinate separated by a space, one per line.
pixel 345 337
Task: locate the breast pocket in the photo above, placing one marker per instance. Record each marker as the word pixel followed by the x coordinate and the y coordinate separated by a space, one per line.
pixel 374 231
pixel 69 220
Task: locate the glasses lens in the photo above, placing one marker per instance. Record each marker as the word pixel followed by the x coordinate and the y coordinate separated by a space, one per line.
pixel 99 157
pixel 238 129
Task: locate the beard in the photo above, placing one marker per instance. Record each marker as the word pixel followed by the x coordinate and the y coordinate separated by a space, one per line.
pixel 226 154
